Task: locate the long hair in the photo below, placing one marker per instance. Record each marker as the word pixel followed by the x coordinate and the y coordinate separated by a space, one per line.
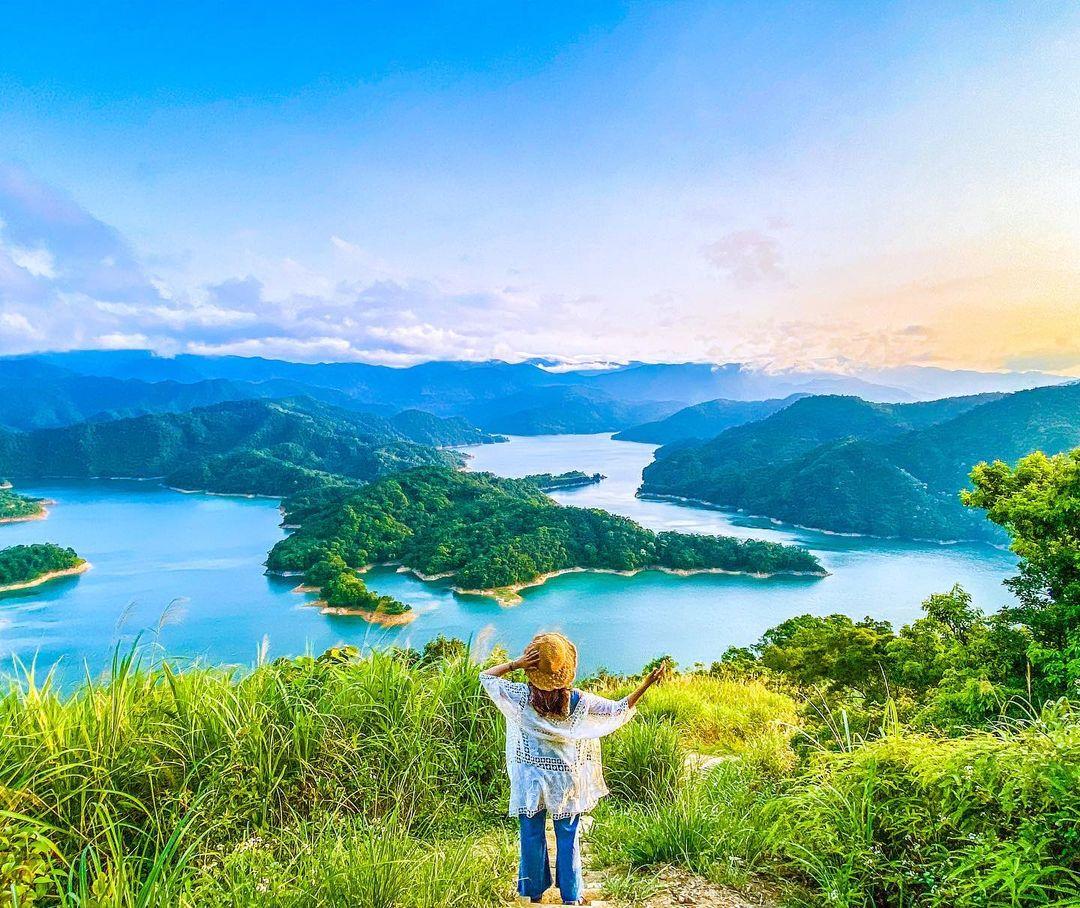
pixel 551 704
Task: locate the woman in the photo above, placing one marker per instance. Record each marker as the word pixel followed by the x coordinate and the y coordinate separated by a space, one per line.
pixel 553 756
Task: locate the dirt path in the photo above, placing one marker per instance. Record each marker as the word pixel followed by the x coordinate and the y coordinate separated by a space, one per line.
pixel 672 887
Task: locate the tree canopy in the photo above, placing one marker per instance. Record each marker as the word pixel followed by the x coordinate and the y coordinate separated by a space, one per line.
pixel 483 532
pixel 24 563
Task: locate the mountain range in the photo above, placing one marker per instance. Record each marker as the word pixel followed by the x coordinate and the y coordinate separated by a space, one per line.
pixel 516 398
pixel 848 465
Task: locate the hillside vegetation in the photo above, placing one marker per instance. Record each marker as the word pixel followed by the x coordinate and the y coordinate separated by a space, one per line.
pixel 571 479
pixel 482 532
pixel 846 465
pixel 247 447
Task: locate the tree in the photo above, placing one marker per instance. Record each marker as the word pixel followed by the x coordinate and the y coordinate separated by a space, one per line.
pixel 954 610
pixel 1038 503
pixel 835 650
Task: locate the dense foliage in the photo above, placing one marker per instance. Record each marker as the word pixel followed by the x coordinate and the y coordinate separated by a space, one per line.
pixel 484 532
pixel 956 667
pixel 341 587
pixel 23 563
pixel 571 479
pixel 379 781
pixel 303 782
pixel 248 447
pixel 1038 503
pixel 14 506
pixel 846 465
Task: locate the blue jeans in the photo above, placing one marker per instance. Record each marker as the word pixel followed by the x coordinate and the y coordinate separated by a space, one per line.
pixel 534 871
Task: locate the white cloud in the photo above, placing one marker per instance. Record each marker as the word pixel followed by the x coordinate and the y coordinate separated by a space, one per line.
pixel 39 262
pixel 746 256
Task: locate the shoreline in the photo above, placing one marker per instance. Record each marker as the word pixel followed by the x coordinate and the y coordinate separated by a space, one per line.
pixel 371 617
pixel 511 595
pixel 508 596
pixel 713 506
pixel 45 578
pixel 248 495
pixel 41 514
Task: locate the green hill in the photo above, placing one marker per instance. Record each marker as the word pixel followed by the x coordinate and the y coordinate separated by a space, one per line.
pixel 483 532
pixel 845 465
pixel 246 447
pixel 426 428
pixel 704 421
pixel 22 564
pixel 563 410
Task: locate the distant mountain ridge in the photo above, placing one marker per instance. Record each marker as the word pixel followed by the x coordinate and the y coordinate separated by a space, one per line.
pixel 703 421
pixel 514 398
pixel 245 447
pixel 847 465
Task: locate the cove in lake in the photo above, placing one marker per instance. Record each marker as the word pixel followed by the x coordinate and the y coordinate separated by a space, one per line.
pixel 185 572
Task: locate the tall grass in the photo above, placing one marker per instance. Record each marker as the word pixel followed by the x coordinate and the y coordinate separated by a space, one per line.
pixel 113 793
pixel 723 716
pixel 709 824
pixel 380 781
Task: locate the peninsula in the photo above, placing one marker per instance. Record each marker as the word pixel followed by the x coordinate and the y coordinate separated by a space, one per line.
pixel 491 536
pixel 15 508
pixel 25 566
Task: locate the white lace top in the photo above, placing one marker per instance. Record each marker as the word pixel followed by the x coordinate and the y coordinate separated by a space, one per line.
pixel 554 764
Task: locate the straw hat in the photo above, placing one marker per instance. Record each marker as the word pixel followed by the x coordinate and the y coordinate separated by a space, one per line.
pixel 558 662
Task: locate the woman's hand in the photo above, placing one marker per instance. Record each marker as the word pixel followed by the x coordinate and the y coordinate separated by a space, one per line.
pixel 528 659
pixel 654 677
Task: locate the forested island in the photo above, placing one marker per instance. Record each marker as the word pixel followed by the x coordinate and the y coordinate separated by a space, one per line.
pixel 490 535
pixel 252 447
pixel 24 566
pixel 571 479
pixel 15 507
pixel 847 465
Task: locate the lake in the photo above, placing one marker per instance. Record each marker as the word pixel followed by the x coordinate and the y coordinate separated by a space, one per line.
pixel 183 572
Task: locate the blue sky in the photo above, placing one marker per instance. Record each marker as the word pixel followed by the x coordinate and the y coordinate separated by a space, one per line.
pixel 788 184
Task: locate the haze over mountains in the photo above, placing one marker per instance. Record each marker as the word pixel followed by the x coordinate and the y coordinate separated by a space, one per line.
pixel 515 398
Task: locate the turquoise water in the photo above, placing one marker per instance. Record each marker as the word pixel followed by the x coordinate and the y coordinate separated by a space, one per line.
pixel 184 572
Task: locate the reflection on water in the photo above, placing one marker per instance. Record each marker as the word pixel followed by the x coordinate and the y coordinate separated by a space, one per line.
pixel 151 547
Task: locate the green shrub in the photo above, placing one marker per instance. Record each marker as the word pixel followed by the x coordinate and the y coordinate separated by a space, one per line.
pixel 987 819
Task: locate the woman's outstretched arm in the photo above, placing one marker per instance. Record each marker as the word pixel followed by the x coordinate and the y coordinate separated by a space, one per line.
pixel 655 675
